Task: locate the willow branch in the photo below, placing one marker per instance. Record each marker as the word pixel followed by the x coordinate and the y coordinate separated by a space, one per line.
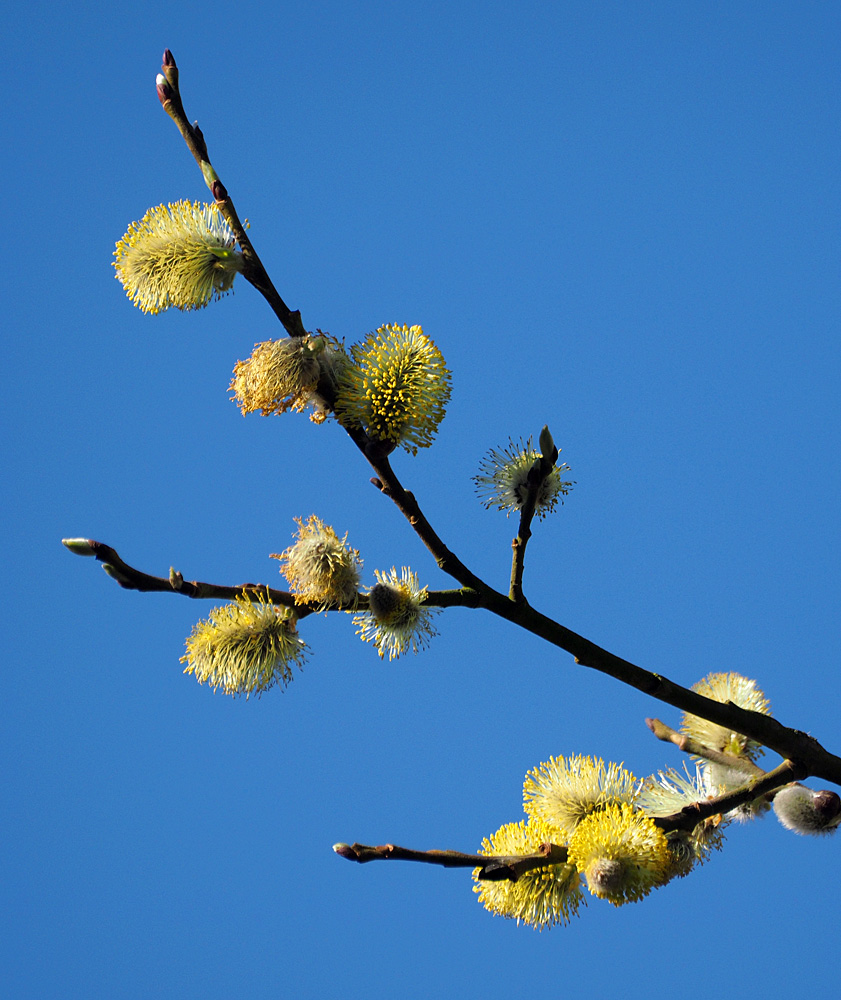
pixel 501 867
pixel 131 578
pixel 688 745
pixel 791 744
pixel 253 270
pixel 492 869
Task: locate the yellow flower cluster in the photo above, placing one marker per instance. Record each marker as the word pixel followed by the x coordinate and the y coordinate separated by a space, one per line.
pixel 245 647
pixel 286 374
pixel 397 388
pixel 595 812
pixel 744 693
pixel 180 255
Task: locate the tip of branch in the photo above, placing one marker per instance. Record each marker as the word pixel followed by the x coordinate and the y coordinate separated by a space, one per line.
pixel 79 546
pixel 345 851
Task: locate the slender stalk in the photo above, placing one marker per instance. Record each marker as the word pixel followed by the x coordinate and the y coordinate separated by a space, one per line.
pixel 253 270
pixel 492 869
pixel 688 745
pixel 690 816
pixel 539 472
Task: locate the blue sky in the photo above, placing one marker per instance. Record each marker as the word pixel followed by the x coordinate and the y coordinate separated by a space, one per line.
pixel 618 219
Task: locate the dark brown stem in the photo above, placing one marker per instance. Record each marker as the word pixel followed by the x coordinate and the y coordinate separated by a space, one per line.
pixel 493 869
pixel 788 743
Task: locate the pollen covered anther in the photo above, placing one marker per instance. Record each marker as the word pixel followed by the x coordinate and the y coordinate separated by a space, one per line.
pixel 564 790
pixel 321 568
pixel 396 389
pixel 621 854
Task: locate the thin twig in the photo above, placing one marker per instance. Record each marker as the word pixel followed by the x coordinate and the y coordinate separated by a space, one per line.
pixel 536 477
pixel 691 815
pixel 493 869
pixel 131 578
pixel 698 749
pixel 253 270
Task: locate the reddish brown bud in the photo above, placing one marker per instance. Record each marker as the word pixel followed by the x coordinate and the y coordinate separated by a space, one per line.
pixel 219 191
pixel 169 69
pixel 828 804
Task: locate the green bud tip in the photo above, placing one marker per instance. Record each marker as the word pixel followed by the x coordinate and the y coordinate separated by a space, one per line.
pixel 79 546
pixel 115 574
pixel 547 445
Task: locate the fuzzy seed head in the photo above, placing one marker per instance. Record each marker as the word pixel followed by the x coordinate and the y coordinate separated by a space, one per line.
pixel 180 255
pixel 396 619
pixel 542 897
pixel 503 480
pixel 397 388
pixel 245 647
pixel 321 568
pixel 564 790
pixel 621 854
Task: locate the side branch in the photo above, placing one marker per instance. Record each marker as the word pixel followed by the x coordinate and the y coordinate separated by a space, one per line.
pixel 134 579
pixel 688 745
pixel 253 270
pixel 690 816
pixel 130 578
pixel 492 869
pixel 539 472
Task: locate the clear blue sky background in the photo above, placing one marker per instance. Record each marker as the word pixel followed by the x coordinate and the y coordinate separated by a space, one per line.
pixel 620 219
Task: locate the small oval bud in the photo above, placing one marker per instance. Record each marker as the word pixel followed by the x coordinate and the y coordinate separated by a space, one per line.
pixel 79 546
pixel 806 811
pixel 547 445
pixel 165 92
